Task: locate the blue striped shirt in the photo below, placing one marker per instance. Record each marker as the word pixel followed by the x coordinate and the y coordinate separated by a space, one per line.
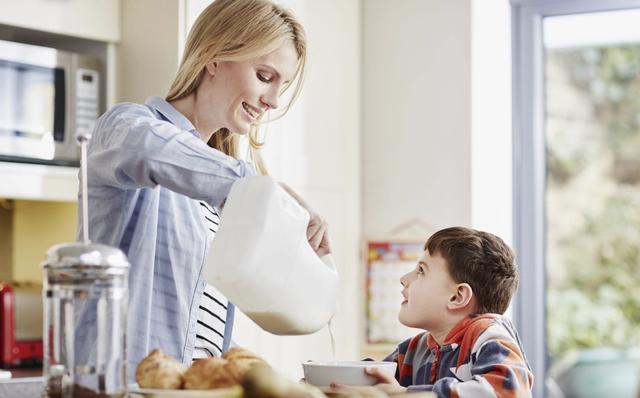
pixel 148 170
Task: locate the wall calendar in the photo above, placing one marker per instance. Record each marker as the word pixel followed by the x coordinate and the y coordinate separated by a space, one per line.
pixel 387 261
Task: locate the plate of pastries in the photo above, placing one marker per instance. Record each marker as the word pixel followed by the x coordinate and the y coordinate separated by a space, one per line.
pixel 238 373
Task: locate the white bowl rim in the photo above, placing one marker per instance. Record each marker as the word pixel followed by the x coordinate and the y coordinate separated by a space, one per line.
pixel 340 364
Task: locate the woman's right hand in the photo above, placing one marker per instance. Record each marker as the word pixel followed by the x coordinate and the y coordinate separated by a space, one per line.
pixel 318 235
pixel 317 230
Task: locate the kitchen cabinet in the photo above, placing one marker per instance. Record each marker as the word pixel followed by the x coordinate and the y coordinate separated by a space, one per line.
pixel 29 387
pixel 38 182
pixel 95 20
pixel 37 210
pixel 28 228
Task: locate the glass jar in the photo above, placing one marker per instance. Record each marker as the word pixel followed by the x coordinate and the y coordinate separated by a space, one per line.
pixel 85 320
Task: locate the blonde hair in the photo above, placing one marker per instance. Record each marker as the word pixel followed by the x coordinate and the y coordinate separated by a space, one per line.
pixel 238 30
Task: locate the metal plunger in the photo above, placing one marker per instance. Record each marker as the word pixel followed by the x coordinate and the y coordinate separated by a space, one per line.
pixel 83 139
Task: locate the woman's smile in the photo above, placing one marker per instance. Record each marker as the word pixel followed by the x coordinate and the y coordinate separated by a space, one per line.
pixel 251 111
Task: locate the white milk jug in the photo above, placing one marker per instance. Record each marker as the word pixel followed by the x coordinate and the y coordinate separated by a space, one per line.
pixel 262 261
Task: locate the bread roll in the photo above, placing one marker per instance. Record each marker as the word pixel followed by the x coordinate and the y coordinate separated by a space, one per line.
pixel 241 360
pixel 221 372
pixel 209 373
pixel 237 353
pixel 158 370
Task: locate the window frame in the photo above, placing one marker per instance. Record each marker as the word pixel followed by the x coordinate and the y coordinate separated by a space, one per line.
pixel 529 166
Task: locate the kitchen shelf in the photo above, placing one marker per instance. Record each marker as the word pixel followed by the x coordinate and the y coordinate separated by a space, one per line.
pixel 38 182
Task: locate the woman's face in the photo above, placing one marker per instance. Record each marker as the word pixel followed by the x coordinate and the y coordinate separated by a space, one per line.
pixel 233 94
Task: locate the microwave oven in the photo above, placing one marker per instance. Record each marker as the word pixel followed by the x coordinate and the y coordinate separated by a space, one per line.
pixel 47 98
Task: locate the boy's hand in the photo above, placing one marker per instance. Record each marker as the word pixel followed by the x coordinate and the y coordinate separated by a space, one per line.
pixel 384 382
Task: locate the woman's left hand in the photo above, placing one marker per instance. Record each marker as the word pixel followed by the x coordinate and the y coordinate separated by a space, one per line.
pixel 318 235
pixel 317 230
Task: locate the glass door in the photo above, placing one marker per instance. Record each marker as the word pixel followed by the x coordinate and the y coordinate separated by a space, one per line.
pixel 576 78
pixel 592 202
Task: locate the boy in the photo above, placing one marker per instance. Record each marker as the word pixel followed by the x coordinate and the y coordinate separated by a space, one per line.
pixel 458 291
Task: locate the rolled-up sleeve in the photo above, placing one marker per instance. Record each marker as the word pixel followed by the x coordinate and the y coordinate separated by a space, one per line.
pixel 131 148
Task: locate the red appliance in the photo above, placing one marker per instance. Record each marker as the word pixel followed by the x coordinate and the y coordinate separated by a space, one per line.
pixel 20 323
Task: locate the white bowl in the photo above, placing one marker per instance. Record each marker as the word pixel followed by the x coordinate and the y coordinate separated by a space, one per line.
pixel 322 374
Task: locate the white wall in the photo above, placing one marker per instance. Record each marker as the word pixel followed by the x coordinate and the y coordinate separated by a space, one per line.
pixel 491 163
pixel 437 125
pixel 417 121
pixel 149 52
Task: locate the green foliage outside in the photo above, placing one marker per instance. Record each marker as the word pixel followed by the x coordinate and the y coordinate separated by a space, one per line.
pixel 593 198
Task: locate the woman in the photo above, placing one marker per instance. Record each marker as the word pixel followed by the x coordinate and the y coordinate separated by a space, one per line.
pixel 159 172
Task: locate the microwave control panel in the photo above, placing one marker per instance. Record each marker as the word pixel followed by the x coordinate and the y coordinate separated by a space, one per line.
pixel 87 101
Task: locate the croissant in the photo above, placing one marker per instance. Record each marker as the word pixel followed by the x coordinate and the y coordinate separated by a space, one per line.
pixel 221 372
pixel 236 353
pixel 209 373
pixel 158 370
pixel 241 360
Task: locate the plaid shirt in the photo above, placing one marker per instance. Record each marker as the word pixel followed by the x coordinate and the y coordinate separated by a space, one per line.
pixel 481 357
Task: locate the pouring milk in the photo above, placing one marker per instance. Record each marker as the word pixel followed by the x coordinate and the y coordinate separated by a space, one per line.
pixel 261 260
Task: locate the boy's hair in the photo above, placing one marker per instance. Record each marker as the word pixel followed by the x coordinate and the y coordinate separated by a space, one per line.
pixel 480 259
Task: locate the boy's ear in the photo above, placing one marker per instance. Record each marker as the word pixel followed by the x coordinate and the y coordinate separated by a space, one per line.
pixel 461 297
pixel 211 68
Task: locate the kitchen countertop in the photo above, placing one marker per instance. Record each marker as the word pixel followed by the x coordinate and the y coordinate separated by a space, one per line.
pixel 23 387
pixel 20 372
pixel 25 382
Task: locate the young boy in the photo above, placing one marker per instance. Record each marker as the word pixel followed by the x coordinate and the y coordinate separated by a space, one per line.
pixel 458 292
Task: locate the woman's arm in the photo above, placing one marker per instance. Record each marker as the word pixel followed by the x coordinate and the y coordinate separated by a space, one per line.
pixel 130 149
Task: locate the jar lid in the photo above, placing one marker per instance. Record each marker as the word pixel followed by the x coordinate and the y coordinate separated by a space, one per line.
pixel 85 255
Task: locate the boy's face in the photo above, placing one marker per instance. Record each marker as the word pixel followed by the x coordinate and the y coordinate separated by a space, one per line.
pixel 427 291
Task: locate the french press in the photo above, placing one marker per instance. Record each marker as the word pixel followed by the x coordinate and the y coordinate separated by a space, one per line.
pixel 85 315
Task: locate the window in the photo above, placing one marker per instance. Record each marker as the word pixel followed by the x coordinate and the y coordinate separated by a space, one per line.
pixel 576 193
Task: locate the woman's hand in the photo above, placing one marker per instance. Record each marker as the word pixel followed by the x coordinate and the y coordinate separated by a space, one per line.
pixel 317 230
